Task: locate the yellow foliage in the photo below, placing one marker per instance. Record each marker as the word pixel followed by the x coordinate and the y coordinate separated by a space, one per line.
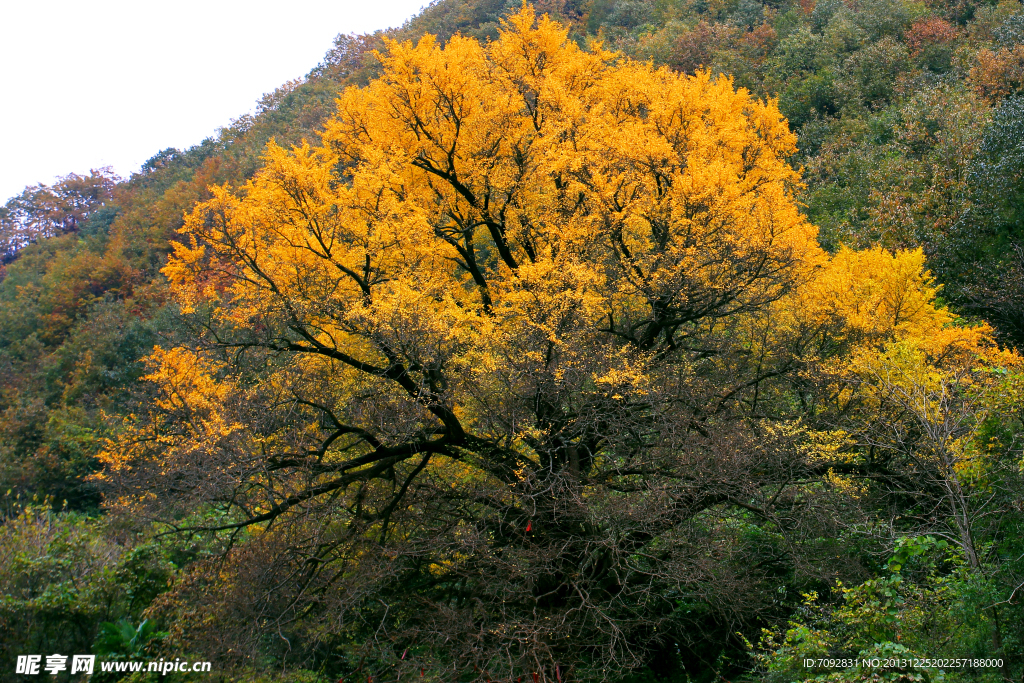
pixel 187 387
pixel 595 185
pixel 491 237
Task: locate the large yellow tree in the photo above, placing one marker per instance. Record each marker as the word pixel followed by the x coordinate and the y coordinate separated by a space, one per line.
pixel 483 381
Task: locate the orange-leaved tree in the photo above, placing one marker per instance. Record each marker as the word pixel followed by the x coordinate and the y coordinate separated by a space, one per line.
pixel 504 375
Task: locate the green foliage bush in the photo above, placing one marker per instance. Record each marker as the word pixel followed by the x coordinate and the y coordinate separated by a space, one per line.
pixel 926 603
pixel 63 575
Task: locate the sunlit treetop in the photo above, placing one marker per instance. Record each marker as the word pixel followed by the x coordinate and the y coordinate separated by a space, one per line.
pixel 527 162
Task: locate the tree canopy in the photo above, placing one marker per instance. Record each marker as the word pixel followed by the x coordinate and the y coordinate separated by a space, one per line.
pixel 528 366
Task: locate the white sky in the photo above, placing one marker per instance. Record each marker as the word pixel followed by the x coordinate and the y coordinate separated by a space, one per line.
pixel 90 83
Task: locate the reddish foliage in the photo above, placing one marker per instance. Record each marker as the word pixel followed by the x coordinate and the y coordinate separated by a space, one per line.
pixel 930 31
pixel 756 44
pixel 696 48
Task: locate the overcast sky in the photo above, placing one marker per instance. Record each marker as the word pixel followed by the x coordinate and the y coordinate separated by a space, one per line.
pixel 90 83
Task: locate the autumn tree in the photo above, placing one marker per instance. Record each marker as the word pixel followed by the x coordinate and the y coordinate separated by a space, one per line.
pixel 528 368
pixel 42 211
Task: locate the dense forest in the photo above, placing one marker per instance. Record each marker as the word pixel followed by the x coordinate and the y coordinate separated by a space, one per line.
pixel 590 340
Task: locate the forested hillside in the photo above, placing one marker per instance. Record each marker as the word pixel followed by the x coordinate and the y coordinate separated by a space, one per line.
pixel 590 340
